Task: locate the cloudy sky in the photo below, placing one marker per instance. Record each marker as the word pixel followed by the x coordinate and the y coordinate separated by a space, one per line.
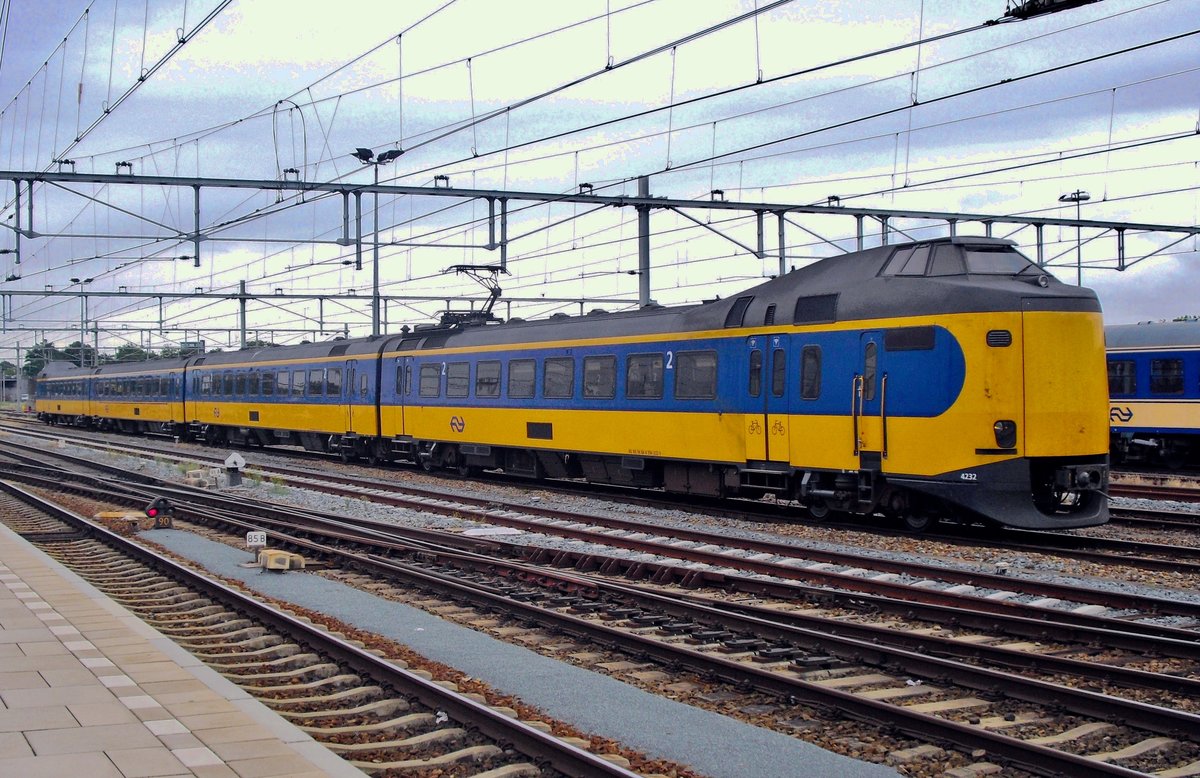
pixel 545 96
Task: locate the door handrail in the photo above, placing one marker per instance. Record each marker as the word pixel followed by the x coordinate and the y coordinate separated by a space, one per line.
pixel 856 404
pixel 883 412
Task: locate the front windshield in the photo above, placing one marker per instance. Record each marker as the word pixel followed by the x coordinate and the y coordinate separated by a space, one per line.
pixel 996 260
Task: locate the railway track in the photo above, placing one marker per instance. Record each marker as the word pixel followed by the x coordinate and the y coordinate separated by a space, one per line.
pixel 778 640
pixel 383 717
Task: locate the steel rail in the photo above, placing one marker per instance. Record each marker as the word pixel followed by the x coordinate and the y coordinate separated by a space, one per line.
pixel 530 741
pixel 843 581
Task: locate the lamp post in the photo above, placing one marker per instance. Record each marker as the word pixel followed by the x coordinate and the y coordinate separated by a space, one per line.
pixel 1077 197
pixel 82 318
pixel 367 157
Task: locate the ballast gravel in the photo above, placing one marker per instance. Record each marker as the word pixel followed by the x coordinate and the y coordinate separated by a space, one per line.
pixel 710 743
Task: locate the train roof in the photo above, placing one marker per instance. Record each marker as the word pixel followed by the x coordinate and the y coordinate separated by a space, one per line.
pixel 858 286
pixel 850 287
pixel 1150 335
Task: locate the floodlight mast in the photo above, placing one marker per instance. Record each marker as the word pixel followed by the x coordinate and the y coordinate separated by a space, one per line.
pixel 367 157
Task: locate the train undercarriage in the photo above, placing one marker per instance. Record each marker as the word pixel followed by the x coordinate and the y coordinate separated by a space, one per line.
pixel 1057 494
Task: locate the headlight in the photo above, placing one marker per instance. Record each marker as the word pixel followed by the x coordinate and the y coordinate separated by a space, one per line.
pixel 1006 433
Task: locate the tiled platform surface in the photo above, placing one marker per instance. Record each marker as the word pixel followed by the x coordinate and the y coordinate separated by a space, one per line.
pixel 87 689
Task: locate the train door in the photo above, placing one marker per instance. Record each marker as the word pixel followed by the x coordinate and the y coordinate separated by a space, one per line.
pixel 869 403
pixel 767 423
pixel 404 388
pixel 350 393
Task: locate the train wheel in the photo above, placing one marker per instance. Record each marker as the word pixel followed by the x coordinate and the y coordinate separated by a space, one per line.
pixel 819 510
pixel 918 522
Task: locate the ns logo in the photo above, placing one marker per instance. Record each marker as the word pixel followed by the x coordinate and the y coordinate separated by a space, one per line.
pixel 1122 415
pixel 457 423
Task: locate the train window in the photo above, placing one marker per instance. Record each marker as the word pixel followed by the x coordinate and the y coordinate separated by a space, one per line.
pixel 401 389
pixel 755 373
pixel 239 385
pixel 487 379
pixel 253 384
pixel 1166 376
pixel 778 372
pixel 206 385
pixel 600 377
pixel 140 389
pixel 333 382
pixel 644 376
pixel 946 262
pixel 695 375
pixel 268 384
pixel 316 382
pixel 810 373
pixel 870 367
pixel 408 374
pixel 283 383
pixel 362 384
pixel 431 379
pixel 297 383
pixel 458 379
pixel 737 311
pixel 522 374
pixel 227 384
pixel 908 339
pixel 558 377
pixel 996 260
pixel 914 264
pixel 1121 377
pixel 816 309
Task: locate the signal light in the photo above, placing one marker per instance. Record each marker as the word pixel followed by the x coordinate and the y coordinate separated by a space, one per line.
pixel 159 508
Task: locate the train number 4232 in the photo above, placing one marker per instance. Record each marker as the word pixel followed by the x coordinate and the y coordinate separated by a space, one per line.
pixel 968 476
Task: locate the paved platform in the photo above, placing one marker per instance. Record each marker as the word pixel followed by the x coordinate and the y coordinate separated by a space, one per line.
pixel 87 689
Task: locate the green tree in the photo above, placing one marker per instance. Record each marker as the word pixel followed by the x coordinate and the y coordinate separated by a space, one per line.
pixel 7 369
pixel 37 357
pixel 130 353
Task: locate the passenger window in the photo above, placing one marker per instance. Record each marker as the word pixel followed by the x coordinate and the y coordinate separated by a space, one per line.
pixel 755 373
pixel 297 383
pixel 268 384
pixel 558 377
pixel 362 384
pixel 1166 376
pixel 695 375
pixel 521 377
pixel 870 357
pixel 487 379
pixel 316 382
pixel 333 382
pixel 778 372
pixel 431 380
pixel 252 385
pixel 400 388
pixel 458 379
pixel 599 378
pixel 205 385
pixel 239 385
pixel 227 391
pixel 644 376
pixel 1121 377
pixel 810 373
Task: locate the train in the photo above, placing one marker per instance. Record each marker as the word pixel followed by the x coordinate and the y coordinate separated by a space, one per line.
pixel 946 378
pixel 1154 391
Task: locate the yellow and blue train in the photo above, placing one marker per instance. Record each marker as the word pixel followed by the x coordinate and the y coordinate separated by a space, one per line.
pixel 1154 390
pixel 947 377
